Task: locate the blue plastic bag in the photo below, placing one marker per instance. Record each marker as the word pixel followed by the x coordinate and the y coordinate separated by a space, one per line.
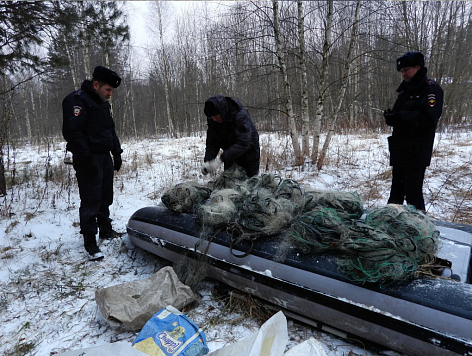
pixel 171 333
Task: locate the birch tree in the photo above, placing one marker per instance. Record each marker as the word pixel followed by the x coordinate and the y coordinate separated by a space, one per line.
pixel 304 83
pixel 347 73
pixel 287 91
pixel 323 82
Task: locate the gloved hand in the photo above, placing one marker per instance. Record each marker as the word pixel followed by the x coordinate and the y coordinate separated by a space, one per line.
pixel 212 166
pixel 90 166
pixel 389 114
pixel 117 162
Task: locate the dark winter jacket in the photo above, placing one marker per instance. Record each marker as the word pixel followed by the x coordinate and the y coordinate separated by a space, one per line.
pixel 88 126
pixel 416 114
pixel 236 135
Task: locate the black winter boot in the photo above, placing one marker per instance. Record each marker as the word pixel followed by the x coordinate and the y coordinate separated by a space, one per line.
pixel 90 244
pixel 107 233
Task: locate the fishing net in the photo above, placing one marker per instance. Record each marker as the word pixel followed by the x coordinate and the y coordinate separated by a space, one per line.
pixel 390 245
pixel 222 209
pixel 184 197
pixel 413 232
pixel 317 230
pixel 232 178
pixel 371 255
pixel 347 204
pixel 269 206
pixel 264 215
pixel 325 216
pixel 264 182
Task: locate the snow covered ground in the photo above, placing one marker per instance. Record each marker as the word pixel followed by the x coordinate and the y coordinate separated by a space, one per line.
pixel 47 284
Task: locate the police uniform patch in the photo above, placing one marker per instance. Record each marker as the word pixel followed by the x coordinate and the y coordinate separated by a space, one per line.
pixel 77 110
pixel 432 100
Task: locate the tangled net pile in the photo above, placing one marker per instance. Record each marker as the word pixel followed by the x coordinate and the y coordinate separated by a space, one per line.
pixel 390 244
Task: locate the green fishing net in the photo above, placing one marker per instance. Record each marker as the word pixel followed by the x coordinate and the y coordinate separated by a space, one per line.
pixel 389 245
pixel 413 232
pixel 371 255
pixel 348 205
pixel 317 230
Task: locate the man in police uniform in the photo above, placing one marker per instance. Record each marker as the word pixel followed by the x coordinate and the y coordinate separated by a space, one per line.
pixel 414 118
pixel 89 130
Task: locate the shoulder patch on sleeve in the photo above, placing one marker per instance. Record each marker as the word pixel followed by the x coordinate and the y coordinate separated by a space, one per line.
pixel 77 110
pixel 432 100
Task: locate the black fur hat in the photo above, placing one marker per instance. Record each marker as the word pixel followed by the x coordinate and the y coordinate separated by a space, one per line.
pixel 410 59
pixel 107 75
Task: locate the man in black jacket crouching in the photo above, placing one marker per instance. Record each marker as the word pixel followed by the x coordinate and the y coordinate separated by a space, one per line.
pixel 231 129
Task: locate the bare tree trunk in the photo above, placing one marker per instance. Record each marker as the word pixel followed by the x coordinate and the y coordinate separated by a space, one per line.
pixel 106 50
pixel 34 118
pixel 4 136
pixel 85 45
pixel 3 183
pixel 124 122
pixel 154 106
pixel 304 83
pixel 131 105
pixel 407 26
pixel 165 73
pixel 369 70
pixel 29 134
pixel 130 96
pixel 186 132
pixel 107 59
pixel 85 50
pixel 347 72
pixel 287 91
pixel 71 64
pixel 323 81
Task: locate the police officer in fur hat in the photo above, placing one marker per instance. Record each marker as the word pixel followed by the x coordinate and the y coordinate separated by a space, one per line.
pixel 414 118
pixel 89 130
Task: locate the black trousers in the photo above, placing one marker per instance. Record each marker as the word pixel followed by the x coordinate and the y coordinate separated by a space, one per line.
pixel 96 194
pixel 407 183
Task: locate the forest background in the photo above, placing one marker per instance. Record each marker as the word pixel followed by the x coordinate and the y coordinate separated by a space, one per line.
pixel 314 75
pixel 303 68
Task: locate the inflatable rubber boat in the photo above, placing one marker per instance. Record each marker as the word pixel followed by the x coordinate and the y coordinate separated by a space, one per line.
pixel 424 316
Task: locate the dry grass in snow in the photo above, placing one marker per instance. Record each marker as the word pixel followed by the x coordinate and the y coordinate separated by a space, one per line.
pixel 47 285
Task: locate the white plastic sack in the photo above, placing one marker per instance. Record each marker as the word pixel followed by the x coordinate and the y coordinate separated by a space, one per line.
pixel 133 304
pixel 115 349
pixel 270 340
pixel 310 347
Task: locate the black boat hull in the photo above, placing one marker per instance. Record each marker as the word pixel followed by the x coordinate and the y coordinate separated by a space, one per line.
pixel 421 317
